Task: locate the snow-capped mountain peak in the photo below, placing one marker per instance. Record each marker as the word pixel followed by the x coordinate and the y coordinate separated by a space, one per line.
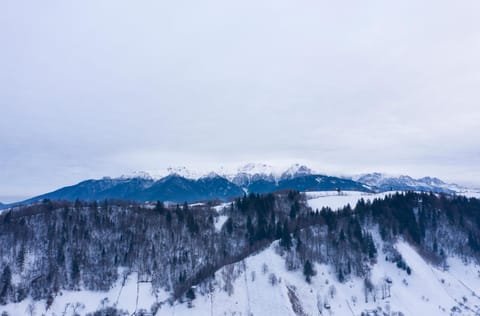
pixel 432 181
pixel 211 175
pixel 384 182
pixel 184 172
pixel 251 172
pixel 256 168
pixel 137 174
pixel 245 173
pixel 296 170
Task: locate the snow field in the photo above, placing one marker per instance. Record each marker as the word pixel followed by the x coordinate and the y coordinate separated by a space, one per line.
pixel 130 296
pixel 336 200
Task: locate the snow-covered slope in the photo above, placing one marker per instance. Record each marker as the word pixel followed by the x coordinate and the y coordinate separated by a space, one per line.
pixel 131 294
pixel 336 200
pixel 261 285
pixel 469 193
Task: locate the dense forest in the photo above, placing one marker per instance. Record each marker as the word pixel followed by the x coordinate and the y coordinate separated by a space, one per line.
pixel 54 245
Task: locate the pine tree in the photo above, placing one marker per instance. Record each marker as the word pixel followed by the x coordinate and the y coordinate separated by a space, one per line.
pixel 286 239
pixel 159 207
pixel 229 225
pixel 294 209
pixel 308 271
pixel 190 294
pixel 191 224
pixel 5 285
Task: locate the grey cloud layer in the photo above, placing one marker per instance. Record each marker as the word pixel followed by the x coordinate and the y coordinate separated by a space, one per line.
pixel 90 88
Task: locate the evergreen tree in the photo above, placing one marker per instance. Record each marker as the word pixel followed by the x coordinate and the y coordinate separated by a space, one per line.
pixel 5 284
pixel 191 225
pixel 229 225
pixel 278 231
pixel 159 207
pixel 294 210
pixel 250 230
pixel 286 239
pixel 308 271
pixel 190 294
pixel 168 218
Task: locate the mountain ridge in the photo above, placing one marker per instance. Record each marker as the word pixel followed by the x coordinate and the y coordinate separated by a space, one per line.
pixel 181 185
pixel 385 182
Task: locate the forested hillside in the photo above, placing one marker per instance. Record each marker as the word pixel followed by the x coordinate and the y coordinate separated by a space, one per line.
pixel 53 246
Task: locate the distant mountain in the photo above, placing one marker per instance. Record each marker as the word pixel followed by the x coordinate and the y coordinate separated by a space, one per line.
pixel 214 186
pixel 105 188
pixel 182 185
pixel 173 188
pixel 382 182
pixel 320 183
pixel 176 188
pixel 262 186
pixel 307 182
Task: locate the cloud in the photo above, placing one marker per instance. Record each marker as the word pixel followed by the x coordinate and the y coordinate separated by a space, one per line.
pixel 91 89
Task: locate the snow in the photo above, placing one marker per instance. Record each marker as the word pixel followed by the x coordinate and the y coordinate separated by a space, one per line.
pixel 296 170
pixel 184 172
pixel 211 175
pixel 261 169
pixel 196 204
pixel 257 168
pixel 220 207
pixel 431 290
pixel 177 170
pixel 219 221
pixel 137 174
pixel 122 296
pixel 247 169
pixel 422 293
pixel 336 200
pixel 470 193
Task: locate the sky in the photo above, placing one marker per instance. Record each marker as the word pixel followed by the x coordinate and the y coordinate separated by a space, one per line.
pixel 103 88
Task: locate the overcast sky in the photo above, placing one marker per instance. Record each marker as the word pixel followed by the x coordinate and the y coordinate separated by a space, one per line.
pixel 94 88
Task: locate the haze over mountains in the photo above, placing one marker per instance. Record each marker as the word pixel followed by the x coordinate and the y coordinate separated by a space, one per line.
pixel 180 185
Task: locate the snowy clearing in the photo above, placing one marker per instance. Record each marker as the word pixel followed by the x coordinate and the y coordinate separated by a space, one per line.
pixel 219 221
pixel 336 200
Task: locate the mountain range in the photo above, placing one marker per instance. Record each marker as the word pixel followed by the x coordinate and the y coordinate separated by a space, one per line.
pixel 181 185
pixel 381 183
